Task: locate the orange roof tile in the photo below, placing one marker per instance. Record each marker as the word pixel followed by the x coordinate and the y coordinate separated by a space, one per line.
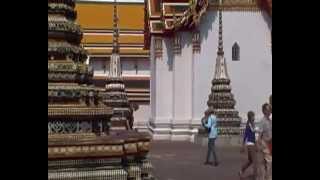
pixel 99 16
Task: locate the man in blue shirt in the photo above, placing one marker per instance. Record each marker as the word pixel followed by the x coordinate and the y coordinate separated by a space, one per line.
pixel 211 124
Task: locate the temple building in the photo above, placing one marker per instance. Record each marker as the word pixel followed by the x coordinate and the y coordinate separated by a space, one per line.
pixel 168 51
pixel 183 38
pixel 95 17
pixel 83 141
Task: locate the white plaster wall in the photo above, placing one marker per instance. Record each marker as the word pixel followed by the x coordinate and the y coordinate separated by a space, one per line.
pixel 204 64
pixel 153 88
pixel 128 67
pixel 183 91
pixel 196 101
pixel 163 83
pixel 142 115
pixel 251 77
pixel 182 97
pixel 144 67
pixel 98 65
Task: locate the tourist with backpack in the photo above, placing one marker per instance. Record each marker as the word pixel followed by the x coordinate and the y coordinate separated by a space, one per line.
pixel 249 142
pixel 211 126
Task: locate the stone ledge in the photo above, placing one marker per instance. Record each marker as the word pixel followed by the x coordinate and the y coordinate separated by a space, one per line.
pixel 222 141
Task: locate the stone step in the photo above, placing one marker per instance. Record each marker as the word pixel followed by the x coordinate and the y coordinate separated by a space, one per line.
pixel 221 141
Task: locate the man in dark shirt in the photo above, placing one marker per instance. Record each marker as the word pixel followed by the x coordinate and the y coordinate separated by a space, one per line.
pixel 249 141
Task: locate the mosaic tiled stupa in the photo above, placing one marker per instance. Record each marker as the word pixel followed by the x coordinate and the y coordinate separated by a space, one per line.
pixel 81 142
pixel 115 95
pixel 221 101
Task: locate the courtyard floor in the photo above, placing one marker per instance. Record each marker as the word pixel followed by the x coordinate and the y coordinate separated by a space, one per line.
pixel 184 161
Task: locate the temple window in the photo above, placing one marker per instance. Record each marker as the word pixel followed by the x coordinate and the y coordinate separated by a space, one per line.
pixel 235 52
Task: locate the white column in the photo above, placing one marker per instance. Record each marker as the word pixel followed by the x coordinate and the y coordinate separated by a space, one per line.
pixel 182 91
pixel 160 122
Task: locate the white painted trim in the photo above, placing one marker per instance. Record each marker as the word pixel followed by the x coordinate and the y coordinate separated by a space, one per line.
pixel 192 83
pixel 170 134
pixel 160 120
pixel 160 136
pixel 173 64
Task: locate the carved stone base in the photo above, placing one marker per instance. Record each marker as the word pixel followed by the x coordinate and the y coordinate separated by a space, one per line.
pixel 173 132
pixel 221 141
pixel 100 169
pixel 90 173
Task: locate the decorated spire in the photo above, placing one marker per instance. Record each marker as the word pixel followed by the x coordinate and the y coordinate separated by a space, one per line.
pixel 115 29
pixel 115 65
pixel 116 96
pixel 221 101
pixel 220 45
pixel 221 65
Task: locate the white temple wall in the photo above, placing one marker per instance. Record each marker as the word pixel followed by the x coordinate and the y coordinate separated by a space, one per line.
pixel 143 67
pixel 100 66
pixel 161 92
pixel 182 92
pixel 141 116
pixel 164 85
pixel 251 77
pixel 171 91
pixel 182 77
pixel 130 66
pixel 153 88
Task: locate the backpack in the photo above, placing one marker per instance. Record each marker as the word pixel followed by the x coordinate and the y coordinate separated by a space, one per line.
pixel 204 121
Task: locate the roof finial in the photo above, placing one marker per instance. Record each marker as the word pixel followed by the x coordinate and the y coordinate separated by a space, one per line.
pixel 115 29
pixel 220 45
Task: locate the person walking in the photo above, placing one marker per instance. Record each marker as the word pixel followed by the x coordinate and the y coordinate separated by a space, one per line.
pixel 265 143
pixel 211 126
pixel 270 102
pixel 249 140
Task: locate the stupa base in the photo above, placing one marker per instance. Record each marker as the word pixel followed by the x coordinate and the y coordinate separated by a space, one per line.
pixel 221 141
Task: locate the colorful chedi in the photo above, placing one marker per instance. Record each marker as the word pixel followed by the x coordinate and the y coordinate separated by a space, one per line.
pixel 116 96
pixel 221 101
pixel 81 142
